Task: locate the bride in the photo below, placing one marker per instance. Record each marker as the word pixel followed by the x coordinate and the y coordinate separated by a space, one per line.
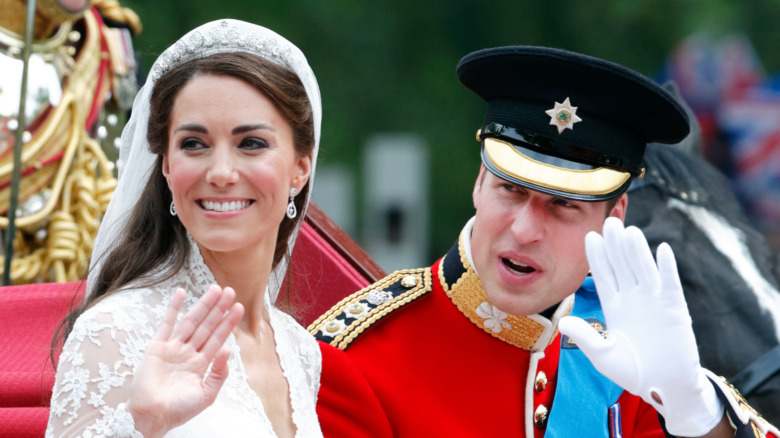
pixel 216 168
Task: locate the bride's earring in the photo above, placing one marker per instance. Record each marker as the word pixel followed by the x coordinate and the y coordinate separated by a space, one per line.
pixel 173 209
pixel 291 210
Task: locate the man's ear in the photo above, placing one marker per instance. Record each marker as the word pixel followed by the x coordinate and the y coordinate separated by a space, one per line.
pixel 478 186
pixel 619 209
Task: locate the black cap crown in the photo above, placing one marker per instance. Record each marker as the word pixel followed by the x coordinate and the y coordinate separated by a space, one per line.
pixel 568 124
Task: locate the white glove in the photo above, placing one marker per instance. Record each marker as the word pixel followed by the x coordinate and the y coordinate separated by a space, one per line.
pixel 649 348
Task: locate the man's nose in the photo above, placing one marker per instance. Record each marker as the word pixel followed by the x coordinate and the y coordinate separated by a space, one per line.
pixel 528 223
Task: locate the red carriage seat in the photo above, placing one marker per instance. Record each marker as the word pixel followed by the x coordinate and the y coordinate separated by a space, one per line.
pixel 326 265
pixel 28 316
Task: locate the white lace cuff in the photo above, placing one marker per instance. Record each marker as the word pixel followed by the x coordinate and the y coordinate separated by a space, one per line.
pixel 122 424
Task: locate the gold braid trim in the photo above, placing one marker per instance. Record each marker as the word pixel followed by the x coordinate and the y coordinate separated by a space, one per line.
pixel 72 226
pixel 467 295
pixel 402 287
pixel 81 181
pixel 112 10
pixel 72 112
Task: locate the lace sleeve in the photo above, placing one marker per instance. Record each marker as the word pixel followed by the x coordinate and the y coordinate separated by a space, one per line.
pixel 95 370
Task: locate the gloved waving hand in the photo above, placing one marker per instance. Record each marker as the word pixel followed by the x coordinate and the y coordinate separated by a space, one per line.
pixel 649 349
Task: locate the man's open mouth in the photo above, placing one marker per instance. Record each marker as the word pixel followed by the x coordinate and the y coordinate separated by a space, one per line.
pixel 517 267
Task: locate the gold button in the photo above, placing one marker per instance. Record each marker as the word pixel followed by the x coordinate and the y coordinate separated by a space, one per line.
pixel 541 381
pixel 540 416
pixel 354 309
pixel 409 281
pixel 332 327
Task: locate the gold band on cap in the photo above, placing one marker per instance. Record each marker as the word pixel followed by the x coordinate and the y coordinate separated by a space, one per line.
pixel 507 159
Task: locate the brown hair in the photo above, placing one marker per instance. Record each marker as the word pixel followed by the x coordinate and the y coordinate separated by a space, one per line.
pixel 155 242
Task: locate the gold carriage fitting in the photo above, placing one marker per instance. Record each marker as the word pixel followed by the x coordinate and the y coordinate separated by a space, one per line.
pixel 67 178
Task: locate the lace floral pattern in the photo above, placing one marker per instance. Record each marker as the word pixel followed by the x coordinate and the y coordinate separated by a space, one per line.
pixel 107 344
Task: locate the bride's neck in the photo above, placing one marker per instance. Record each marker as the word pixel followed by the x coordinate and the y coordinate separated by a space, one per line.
pixel 247 275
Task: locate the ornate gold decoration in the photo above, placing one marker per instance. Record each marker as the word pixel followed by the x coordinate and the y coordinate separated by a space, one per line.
pixel 746 414
pixel 332 327
pixel 409 281
pixel 345 309
pixel 113 10
pixel 54 242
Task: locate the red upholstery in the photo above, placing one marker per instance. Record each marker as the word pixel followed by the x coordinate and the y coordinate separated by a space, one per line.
pixel 326 264
pixel 321 275
pixel 28 317
pixel 23 422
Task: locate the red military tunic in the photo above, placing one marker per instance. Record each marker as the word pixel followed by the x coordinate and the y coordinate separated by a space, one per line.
pixel 423 353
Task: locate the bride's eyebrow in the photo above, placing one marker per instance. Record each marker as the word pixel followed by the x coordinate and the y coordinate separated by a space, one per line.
pixel 192 127
pixel 248 128
pixel 237 130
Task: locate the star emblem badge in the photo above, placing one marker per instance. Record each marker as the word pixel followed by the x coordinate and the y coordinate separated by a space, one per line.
pixel 563 116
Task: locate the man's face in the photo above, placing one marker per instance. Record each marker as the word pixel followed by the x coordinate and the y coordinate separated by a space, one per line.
pixel 528 247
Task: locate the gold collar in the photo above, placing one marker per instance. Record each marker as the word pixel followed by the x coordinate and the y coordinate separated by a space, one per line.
pixel 462 286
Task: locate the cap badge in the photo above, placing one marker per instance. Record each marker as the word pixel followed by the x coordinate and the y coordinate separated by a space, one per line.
pixel 563 116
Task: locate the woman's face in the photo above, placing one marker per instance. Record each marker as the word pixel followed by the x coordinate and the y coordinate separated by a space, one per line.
pixel 231 164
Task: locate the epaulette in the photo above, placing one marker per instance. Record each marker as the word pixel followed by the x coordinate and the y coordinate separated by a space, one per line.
pixel 742 416
pixel 345 321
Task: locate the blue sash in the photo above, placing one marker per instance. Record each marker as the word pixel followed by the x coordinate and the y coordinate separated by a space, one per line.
pixel 583 396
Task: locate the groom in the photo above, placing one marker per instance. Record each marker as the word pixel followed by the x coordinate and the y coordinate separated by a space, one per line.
pixel 506 334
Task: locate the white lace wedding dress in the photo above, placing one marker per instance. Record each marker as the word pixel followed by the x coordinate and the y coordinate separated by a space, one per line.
pixel 107 344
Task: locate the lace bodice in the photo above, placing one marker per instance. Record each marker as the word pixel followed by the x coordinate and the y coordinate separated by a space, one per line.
pixel 107 344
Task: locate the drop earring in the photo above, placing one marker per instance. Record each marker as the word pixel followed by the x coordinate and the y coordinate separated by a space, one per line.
pixel 173 209
pixel 292 211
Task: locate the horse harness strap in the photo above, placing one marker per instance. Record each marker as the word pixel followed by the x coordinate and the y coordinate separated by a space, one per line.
pixel 758 372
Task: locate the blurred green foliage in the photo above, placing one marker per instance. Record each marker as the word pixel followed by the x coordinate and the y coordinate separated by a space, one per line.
pixel 389 65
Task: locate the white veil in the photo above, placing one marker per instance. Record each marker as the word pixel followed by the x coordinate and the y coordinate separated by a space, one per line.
pixel 136 161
